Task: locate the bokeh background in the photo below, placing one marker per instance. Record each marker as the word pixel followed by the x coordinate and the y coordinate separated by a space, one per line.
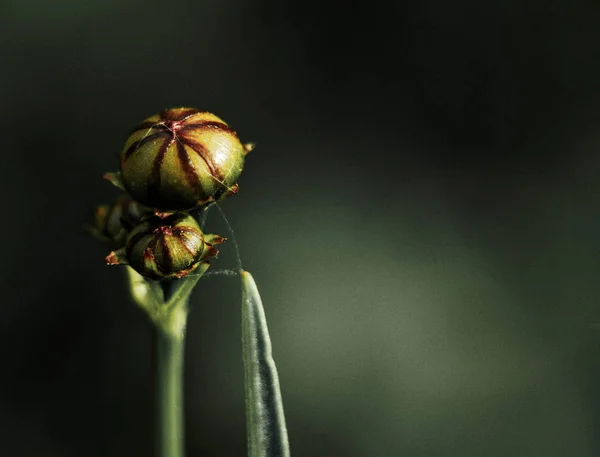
pixel 421 215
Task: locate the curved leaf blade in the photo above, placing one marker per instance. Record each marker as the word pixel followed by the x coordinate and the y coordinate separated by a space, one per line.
pixel 265 420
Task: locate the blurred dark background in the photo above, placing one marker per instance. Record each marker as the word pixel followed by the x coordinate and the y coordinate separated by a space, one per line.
pixel 421 215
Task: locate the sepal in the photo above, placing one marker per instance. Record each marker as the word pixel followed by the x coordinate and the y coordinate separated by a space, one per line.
pixel 117 257
pixel 115 179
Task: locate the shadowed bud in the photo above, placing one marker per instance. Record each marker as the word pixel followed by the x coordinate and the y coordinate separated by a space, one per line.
pixel 166 246
pixel 113 223
pixel 180 159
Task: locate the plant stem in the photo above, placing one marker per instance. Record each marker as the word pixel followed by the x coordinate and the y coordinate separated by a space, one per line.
pixel 167 307
pixel 170 353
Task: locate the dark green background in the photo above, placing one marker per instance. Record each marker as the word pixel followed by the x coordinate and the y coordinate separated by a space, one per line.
pixel 421 215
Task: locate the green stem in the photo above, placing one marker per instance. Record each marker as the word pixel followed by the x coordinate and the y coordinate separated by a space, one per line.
pixel 167 307
pixel 170 394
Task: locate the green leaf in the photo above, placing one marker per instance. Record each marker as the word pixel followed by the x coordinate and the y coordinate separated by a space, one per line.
pixel 265 421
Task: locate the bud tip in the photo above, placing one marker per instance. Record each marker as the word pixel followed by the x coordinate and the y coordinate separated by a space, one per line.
pixel 114 179
pixel 117 257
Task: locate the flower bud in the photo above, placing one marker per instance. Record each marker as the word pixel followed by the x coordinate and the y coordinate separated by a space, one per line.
pixel 166 246
pixel 182 158
pixel 113 222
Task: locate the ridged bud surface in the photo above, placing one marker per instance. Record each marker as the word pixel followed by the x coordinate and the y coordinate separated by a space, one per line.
pixel 113 222
pixel 181 158
pixel 164 247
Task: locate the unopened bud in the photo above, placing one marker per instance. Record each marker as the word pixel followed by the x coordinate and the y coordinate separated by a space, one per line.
pixel 166 246
pixel 112 223
pixel 182 158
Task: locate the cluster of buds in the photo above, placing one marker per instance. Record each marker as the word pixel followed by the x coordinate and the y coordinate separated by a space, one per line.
pixel 173 162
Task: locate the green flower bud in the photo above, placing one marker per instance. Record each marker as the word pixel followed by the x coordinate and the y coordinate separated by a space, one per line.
pixel 166 246
pixel 182 158
pixel 112 223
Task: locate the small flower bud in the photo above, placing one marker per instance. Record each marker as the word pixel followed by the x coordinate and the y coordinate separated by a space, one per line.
pixel 113 223
pixel 166 246
pixel 182 158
